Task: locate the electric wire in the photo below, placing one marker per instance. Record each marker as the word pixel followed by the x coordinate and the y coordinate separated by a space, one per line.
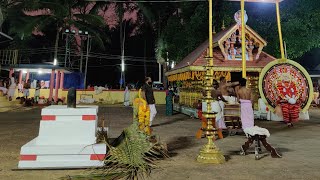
pixel 151 1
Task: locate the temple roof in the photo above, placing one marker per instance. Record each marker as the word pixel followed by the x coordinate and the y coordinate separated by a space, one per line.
pixel 224 34
pixel 196 59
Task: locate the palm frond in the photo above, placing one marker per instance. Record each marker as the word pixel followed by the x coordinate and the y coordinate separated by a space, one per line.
pixel 26 25
pixel 99 37
pixel 133 156
pixel 147 12
pixel 98 6
pixel 59 10
pixel 92 19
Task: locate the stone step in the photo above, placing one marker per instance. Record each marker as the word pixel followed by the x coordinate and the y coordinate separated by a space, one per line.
pixel 2 98
pixel 5 109
pixel 5 103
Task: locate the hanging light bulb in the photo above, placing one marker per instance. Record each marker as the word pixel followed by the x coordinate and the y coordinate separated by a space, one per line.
pixel 172 64
pixel 122 66
pixel 55 62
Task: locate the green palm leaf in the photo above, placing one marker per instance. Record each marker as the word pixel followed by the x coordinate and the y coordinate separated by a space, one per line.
pixel 132 158
pixel 91 19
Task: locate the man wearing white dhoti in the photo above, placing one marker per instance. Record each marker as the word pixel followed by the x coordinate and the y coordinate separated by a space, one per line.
pixel 126 100
pixel 2 88
pixel 254 133
pixel 12 88
pixel 148 95
pixel 26 88
pixel 37 92
pixel 218 105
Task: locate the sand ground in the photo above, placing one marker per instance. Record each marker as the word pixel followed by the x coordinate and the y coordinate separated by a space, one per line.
pixel 299 147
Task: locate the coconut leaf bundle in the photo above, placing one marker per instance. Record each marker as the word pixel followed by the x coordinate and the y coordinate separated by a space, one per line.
pixel 131 156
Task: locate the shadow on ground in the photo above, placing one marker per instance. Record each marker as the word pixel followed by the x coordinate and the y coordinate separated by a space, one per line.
pixel 180 143
pixel 170 122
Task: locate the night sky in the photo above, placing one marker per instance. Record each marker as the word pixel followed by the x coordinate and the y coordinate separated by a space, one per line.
pixel 102 70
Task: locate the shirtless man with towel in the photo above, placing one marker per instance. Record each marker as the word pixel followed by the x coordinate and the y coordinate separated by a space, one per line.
pixel 247 118
pixel 223 86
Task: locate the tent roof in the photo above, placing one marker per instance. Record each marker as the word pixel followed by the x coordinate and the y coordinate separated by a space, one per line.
pixel 45 68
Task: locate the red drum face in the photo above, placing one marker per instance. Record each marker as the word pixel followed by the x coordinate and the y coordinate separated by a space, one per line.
pixel 284 80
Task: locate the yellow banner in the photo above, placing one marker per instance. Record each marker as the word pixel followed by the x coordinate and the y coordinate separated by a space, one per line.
pixel 198 76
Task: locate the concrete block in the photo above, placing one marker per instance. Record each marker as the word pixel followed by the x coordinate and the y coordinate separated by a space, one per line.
pixel 67 138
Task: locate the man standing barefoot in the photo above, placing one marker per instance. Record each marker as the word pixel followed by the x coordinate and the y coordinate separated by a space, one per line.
pixel 147 94
pixel 247 119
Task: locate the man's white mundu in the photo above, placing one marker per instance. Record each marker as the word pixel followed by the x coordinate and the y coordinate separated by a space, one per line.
pixel 153 112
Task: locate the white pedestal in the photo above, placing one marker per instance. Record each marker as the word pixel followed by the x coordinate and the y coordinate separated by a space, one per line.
pixel 67 138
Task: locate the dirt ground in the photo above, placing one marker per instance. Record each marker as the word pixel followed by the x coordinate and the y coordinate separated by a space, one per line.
pixel 299 147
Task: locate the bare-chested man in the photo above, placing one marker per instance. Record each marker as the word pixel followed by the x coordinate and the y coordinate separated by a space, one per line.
pixel 247 119
pixel 216 93
pixel 245 98
pixel 3 88
pixel 217 107
pixel 223 87
pixel 243 92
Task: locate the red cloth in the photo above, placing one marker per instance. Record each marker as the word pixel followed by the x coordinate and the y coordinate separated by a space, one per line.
pixel 289 89
pixel 290 112
pixel 200 114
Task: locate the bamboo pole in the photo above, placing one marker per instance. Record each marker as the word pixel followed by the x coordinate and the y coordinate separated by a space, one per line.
pixel 280 31
pixel 243 42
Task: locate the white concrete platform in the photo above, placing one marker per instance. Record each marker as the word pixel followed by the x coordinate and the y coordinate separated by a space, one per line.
pixel 59 110
pixel 33 156
pixel 33 148
pixel 67 139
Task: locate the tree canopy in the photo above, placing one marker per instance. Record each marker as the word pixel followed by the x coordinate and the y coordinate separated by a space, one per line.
pixel 188 27
pixel 176 28
pixel 299 26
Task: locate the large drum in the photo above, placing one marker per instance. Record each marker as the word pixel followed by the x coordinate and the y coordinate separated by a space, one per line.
pixel 285 80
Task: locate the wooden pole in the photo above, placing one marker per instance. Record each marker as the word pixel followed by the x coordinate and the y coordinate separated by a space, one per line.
pixel 27 76
pixel 56 94
pixel 243 42
pixel 51 85
pixel 61 79
pixel 20 77
pixel 280 31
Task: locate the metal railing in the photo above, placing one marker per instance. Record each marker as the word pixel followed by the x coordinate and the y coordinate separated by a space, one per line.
pixel 8 57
